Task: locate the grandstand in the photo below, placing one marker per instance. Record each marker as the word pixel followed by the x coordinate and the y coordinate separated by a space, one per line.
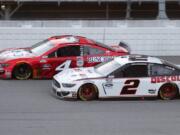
pixel 89 9
pixel 149 26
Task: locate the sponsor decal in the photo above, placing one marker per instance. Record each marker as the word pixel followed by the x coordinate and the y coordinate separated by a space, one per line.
pixel 45 57
pixel 46 66
pixel 100 59
pixel 108 85
pixel 81 51
pixel 77 69
pixel 161 79
pixel 89 71
pixel 74 94
pixel 151 91
pixel 1 70
pixel 83 75
pixel 37 73
pixel 43 61
pixel 8 74
pixel 79 61
pixel 109 79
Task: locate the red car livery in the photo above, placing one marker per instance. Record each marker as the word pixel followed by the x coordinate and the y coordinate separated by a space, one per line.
pixel 46 58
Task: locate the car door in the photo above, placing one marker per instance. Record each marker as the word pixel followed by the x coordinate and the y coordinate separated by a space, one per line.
pixel 132 80
pixel 61 58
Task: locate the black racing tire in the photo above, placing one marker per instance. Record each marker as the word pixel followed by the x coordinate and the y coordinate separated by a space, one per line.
pixel 88 92
pixel 168 91
pixel 22 71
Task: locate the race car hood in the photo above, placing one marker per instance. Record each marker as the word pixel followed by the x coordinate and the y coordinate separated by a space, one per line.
pixel 74 74
pixel 10 54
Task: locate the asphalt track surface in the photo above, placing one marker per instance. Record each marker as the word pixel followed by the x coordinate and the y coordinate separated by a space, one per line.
pixel 28 108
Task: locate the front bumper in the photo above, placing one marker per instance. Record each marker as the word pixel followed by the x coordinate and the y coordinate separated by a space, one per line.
pixel 2 71
pixel 62 94
pixel 5 74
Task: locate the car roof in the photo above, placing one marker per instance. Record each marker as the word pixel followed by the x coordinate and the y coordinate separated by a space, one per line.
pixel 68 39
pixel 71 39
pixel 137 58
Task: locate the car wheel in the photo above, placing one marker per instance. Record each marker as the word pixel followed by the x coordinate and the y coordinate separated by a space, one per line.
pixel 22 72
pixel 88 92
pixel 168 91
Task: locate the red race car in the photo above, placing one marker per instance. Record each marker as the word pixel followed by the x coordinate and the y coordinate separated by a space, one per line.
pixel 46 58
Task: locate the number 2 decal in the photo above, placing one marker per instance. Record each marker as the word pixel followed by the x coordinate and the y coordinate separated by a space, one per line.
pixel 130 87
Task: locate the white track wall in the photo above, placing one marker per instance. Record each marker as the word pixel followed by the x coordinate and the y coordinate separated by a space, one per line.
pixel 160 41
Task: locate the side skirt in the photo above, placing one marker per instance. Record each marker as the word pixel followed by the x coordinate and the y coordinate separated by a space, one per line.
pixel 129 98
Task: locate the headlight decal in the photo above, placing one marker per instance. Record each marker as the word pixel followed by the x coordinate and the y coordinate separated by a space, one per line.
pixel 68 85
pixel 2 65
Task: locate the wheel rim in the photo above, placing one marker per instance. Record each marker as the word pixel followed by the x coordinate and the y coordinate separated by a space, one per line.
pixel 87 92
pixel 23 72
pixel 168 92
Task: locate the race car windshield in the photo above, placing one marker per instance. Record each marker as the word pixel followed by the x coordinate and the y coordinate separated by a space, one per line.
pixel 107 67
pixel 41 47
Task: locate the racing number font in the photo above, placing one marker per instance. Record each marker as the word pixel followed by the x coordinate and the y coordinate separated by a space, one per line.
pixel 130 87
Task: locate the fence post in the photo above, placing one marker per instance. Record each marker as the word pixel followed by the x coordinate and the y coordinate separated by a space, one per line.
pixel 162 10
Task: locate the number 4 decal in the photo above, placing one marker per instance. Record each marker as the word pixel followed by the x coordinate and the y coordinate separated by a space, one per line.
pixel 130 87
pixel 63 66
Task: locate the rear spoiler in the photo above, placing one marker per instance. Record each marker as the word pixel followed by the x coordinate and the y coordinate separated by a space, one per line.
pixel 124 45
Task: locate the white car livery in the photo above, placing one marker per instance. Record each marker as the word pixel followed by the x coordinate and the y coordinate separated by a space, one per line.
pixel 125 76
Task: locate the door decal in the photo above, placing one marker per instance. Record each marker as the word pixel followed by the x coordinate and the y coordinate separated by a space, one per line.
pixel 130 87
pixel 63 66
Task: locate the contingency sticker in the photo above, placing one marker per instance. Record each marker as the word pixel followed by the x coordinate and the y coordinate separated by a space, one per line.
pixel 79 62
